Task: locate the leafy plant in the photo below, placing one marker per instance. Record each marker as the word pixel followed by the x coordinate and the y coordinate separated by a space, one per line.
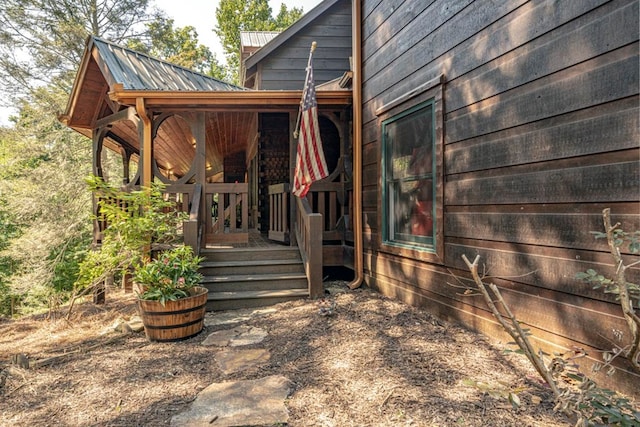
pixel 170 276
pixel 135 221
pixel 627 293
pixel 576 394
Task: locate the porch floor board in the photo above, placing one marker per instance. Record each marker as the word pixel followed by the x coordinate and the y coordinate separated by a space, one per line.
pixel 256 240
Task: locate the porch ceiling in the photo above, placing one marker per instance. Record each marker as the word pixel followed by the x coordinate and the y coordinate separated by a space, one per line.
pixel 174 150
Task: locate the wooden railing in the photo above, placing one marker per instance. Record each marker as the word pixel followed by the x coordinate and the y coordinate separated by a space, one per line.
pixel 191 227
pixel 326 198
pixel 184 198
pixel 227 207
pixel 309 236
pixel 279 212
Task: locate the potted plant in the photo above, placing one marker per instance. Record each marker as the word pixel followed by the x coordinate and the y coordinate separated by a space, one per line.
pixel 139 222
pixel 171 303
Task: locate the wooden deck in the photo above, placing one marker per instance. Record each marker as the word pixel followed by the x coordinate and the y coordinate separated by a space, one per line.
pixel 256 240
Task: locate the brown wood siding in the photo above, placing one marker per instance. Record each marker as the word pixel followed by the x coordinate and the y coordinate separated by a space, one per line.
pixel 541 133
pixel 284 68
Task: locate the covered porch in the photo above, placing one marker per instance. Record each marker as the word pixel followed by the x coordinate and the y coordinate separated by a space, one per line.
pixel 225 154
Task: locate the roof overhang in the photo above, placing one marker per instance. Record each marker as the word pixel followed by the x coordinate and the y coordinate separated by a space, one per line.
pixel 258 100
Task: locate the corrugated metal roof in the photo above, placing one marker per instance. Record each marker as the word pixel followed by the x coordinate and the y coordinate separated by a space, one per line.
pixel 137 71
pixel 256 38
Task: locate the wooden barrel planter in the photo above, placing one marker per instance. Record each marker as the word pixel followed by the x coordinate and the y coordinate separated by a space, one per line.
pixel 175 320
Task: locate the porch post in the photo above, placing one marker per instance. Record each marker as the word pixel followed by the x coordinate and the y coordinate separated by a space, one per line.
pixel 293 150
pixel 147 144
pixel 198 129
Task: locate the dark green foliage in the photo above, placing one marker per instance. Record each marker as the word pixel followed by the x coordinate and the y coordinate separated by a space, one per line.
pixel 66 262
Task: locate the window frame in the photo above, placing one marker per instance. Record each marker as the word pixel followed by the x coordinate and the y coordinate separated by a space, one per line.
pixel 428 94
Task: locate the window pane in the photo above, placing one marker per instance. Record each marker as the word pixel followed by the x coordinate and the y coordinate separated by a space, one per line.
pixel 408 140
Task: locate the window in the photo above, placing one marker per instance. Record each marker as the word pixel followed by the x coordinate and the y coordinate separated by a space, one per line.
pixel 411 193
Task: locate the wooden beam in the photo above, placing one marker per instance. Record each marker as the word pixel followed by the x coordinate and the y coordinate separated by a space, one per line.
pixel 249 99
pixel 147 143
pixel 126 114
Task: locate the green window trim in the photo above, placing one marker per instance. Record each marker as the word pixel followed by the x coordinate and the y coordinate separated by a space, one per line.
pixel 409 184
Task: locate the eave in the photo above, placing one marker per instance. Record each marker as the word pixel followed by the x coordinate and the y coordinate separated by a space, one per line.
pixel 272 100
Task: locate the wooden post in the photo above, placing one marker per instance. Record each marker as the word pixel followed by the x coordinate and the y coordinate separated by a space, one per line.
pixel 147 143
pixel 316 290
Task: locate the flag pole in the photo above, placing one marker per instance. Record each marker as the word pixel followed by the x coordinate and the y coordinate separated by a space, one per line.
pixel 297 128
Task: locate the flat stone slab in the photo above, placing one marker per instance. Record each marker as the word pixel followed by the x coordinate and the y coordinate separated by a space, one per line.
pixel 231 361
pixel 239 403
pixel 235 337
pixel 235 316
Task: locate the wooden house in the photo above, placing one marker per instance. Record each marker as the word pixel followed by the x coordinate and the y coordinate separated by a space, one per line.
pixel 498 129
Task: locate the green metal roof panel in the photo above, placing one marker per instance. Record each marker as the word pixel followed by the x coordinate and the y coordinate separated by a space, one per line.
pixel 137 71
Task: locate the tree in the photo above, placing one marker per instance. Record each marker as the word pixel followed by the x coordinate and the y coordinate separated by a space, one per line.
pixel 179 46
pixel 44 203
pixel 234 16
pixel 42 40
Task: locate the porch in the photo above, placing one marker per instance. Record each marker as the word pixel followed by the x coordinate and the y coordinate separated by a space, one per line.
pixel 225 155
pixel 244 267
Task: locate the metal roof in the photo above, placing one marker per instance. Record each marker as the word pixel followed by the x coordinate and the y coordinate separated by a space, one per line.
pixel 256 38
pixel 137 71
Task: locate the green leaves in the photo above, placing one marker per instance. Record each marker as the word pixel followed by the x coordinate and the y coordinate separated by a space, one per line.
pixel 170 276
pixel 234 16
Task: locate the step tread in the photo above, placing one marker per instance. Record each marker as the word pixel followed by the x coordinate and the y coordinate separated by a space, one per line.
pixel 252 277
pixel 243 263
pixel 249 250
pixel 222 296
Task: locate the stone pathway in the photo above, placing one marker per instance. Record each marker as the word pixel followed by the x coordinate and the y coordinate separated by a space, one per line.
pixel 246 402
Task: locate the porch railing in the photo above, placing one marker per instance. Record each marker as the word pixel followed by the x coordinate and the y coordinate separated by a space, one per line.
pixel 326 198
pixel 191 227
pixel 308 230
pixel 184 197
pixel 279 212
pixel 227 207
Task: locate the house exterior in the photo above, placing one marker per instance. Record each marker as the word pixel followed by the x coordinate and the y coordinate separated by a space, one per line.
pixel 498 129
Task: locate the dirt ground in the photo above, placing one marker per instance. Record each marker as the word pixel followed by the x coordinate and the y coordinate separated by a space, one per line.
pixel 372 362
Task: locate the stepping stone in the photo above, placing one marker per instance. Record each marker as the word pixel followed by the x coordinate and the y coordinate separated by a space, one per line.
pixel 239 403
pixel 235 316
pixel 231 361
pixel 239 336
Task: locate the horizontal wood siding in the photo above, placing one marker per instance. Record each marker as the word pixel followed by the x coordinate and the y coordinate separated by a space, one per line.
pixel 541 130
pixel 284 68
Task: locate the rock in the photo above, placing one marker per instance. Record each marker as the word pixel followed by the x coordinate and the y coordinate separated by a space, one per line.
pixel 231 361
pixel 239 403
pixel 239 336
pixel 235 316
pixel 135 323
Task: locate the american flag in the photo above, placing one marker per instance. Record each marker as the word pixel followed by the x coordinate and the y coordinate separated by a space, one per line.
pixel 310 163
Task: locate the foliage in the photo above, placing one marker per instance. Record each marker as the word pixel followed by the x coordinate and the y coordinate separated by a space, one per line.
pixel 135 220
pixel 42 197
pixel 179 46
pixel 234 16
pixel 627 293
pixel 170 276
pixel 42 162
pixel 42 40
pixel 576 394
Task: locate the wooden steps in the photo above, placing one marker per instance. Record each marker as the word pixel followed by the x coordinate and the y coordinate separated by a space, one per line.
pixel 252 277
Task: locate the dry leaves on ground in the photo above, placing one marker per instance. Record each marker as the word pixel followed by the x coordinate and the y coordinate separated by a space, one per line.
pixel 367 361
